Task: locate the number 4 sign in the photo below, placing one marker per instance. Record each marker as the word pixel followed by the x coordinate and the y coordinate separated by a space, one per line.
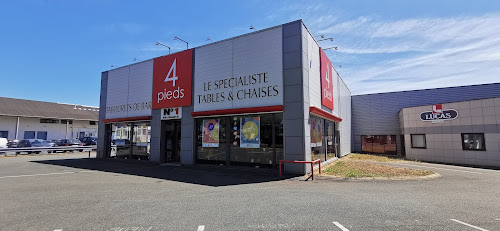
pixel 327 73
pixel 174 76
pixel 172 79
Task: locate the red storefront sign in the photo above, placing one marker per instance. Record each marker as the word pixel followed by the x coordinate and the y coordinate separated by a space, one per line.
pixel 327 76
pixel 172 77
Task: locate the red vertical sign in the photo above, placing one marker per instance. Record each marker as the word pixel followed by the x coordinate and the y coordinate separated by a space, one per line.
pixel 172 77
pixel 327 76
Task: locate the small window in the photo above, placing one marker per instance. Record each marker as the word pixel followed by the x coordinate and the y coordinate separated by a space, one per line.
pixel 66 121
pixel 473 141
pixel 418 141
pixel 92 122
pixel 4 134
pixel 29 135
pixel 41 135
pixel 49 121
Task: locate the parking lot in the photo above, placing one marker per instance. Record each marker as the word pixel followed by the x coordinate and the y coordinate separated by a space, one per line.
pixel 72 192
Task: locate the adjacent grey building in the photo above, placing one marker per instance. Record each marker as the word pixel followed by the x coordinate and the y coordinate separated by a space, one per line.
pixel 415 124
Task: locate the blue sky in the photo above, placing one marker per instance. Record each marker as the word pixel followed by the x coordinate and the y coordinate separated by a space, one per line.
pixel 56 50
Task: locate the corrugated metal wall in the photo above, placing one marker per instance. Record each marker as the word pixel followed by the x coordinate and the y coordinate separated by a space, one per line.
pixel 378 114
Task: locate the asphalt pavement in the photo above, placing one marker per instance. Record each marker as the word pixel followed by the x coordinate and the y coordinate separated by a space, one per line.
pixel 72 192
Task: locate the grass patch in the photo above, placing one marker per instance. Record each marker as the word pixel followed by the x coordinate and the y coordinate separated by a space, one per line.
pixel 359 169
pixel 372 158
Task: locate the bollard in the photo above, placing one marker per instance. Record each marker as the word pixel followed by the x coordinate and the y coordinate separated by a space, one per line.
pixel 89 154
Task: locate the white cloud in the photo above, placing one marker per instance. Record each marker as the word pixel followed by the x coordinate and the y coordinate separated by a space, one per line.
pixel 417 53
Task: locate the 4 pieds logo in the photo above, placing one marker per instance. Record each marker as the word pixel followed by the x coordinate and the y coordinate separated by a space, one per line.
pixel 172 79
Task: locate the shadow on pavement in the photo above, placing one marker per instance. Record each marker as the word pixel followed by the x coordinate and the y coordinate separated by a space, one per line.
pixel 200 174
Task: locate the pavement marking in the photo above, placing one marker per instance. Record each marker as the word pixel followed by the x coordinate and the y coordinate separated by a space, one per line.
pixel 340 226
pixel 463 223
pixel 58 230
pixel 439 168
pixel 201 228
pixel 41 174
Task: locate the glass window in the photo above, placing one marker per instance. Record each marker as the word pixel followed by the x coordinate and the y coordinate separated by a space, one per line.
pixel 92 122
pixel 240 140
pixel 29 135
pixel 318 146
pixel 252 140
pixel 330 141
pixel 4 134
pixel 141 140
pixel 211 140
pixel 41 135
pixel 379 144
pixel 473 141
pixel 418 141
pixel 120 140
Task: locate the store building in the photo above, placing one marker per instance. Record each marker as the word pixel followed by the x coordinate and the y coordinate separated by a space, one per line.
pixel 457 125
pixel 250 100
pixel 30 119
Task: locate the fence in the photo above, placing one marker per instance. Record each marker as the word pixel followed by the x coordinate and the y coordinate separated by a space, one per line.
pixel 37 150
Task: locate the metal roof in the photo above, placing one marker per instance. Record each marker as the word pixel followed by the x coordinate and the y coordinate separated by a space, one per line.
pixel 32 108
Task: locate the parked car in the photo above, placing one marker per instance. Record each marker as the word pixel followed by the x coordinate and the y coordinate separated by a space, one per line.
pixel 3 142
pixel 12 143
pixel 33 143
pixel 70 142
pixel 89 140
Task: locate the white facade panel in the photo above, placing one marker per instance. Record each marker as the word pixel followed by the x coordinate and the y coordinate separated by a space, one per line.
pixel 129 91
pixel 314 72
pixel 314 67
pixel 344 108
pixel 233 61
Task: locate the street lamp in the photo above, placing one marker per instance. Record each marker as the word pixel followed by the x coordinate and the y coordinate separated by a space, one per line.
pixel 330 48
pixel 331 39
pixel 157 43
pixel 187 45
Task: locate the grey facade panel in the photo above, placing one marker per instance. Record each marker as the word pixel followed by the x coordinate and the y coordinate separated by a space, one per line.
pixel 377 114
pixel 101 129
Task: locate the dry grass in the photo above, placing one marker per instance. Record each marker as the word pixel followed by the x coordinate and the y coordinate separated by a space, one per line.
pixel 361 166
pixel 371 158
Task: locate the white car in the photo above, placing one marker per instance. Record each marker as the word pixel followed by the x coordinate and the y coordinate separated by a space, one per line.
pixel 3 142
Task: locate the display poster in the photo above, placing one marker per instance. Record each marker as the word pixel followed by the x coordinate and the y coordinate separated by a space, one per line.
pixel 316 132
pixel 250 132
pixel 210 133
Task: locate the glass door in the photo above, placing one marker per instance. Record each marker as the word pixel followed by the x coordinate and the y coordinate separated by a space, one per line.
pixel 173 141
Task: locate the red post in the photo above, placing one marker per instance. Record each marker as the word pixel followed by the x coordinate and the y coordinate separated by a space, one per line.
pixel 280 168
pixel 312 170
pixel 319 167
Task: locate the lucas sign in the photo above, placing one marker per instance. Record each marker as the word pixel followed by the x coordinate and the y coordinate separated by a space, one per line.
pixel 326 80
pixel 438 115
pixel 172 76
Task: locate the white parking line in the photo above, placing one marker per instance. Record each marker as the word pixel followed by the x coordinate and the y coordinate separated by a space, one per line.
pixel 340 226
pixel 463 223
pixel 41 174
pixel 58 230
pixel 439 168
pixel 201 228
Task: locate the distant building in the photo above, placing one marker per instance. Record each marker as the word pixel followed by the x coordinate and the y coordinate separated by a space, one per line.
pixel 29 119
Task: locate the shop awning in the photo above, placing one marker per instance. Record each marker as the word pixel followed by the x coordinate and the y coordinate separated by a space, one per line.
pixel 323 114
pixel 249 110
pixel 128 119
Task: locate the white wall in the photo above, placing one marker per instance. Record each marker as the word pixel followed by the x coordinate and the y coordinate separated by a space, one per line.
pixel 130 90
pixel 341 94
pixel 242 56
pixel 8 123
pixel 444 140
pixel 54 131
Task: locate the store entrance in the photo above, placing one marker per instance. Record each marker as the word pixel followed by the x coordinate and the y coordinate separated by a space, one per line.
pixel 172 141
